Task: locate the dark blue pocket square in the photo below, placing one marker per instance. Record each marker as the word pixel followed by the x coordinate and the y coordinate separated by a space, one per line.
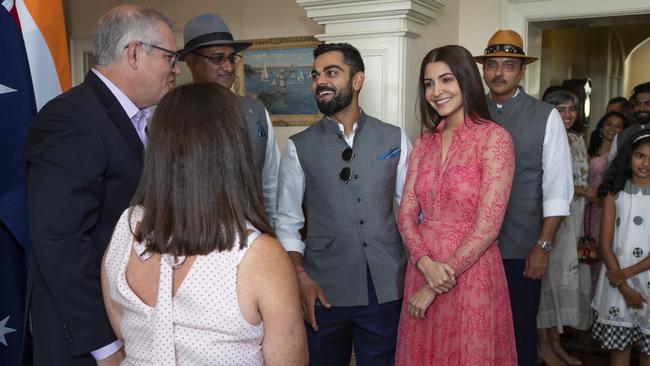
pixel 390 154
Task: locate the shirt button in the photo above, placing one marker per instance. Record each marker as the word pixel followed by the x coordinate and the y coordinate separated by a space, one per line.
pixel 361 222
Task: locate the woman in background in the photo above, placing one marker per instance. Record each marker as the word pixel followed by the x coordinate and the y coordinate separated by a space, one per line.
pixel 456 309
pixel 599 144
pixel 566 286
pixel 193 274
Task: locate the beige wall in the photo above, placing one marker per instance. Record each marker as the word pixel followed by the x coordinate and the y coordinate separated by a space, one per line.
pixel 577 54
pixel 637 66
pixel 478 20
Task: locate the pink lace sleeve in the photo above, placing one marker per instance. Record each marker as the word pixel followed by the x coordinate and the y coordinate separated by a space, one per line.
pixel 409 210
pixel 498 165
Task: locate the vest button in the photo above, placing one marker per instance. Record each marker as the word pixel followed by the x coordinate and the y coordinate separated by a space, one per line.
pixel 365 244
pixel 358 199
pixel 361 222
pixel 356 176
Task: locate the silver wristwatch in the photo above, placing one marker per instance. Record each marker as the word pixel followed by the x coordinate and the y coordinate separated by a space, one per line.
pixel 546 245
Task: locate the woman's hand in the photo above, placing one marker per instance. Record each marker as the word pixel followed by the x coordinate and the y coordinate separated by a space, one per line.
pixel 591 193
pixel 632 298
pixel 616 276
pixel 420 301
pixel 439 276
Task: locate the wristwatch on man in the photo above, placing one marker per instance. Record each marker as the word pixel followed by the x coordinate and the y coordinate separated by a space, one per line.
pixel 546 245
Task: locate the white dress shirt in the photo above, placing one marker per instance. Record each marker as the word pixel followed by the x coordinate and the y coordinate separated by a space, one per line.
pixel 270 171
pixel 289 218
pixel 557 181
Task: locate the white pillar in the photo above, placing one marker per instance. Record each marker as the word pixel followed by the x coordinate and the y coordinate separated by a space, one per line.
pixel 384 32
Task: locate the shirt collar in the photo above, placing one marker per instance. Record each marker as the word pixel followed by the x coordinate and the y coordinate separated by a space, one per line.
pixel 501 105
pixel 129 107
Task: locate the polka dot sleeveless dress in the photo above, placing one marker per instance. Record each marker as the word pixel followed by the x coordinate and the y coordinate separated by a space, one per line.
pixel 200 325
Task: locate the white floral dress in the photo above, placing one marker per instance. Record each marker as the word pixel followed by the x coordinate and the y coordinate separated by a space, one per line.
pixel 566 286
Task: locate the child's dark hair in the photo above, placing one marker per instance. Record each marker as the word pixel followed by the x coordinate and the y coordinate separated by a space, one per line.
pixel 620 170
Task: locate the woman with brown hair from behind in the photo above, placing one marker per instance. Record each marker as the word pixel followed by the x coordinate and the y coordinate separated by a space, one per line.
pixel 193 273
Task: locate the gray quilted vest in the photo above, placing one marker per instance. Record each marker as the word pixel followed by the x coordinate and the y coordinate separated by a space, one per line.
pixel 351 225
pixel 525 118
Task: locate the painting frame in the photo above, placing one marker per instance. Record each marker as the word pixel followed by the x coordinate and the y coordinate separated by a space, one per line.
pixel 279 44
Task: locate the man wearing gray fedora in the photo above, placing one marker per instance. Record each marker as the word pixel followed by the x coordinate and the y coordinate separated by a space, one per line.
pixel 211 55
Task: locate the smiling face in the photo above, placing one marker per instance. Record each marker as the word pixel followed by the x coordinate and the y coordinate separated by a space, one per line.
pixel 611 127
pixel 442 91
pixel 332 85
pixel 204 70
pixel 502 75
pixel 568 112
pixel 641 108
pixel 641 164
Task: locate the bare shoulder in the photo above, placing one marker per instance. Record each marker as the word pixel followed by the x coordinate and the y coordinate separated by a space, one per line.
pixel 266 247
pixel 266 255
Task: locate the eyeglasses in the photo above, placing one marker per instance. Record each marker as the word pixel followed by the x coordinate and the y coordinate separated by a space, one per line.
pixel 171 56
pixel 219 58
pixel 346 173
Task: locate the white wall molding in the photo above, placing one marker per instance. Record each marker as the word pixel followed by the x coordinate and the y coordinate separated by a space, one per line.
pixel 383 31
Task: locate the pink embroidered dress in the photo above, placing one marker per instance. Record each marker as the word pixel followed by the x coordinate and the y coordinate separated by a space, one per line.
pixel 463 201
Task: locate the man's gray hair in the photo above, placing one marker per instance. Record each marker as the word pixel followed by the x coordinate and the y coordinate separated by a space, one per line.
pixel 116 29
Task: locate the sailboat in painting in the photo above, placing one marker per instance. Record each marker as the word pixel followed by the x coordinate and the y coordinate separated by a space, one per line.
pixel 265 74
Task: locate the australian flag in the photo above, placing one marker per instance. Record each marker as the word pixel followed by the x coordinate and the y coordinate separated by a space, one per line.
pixel 17 108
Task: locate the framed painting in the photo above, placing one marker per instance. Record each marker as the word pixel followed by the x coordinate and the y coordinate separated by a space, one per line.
pixel 277 71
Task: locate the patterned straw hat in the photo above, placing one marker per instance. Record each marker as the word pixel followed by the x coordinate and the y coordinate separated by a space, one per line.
pixel 505 43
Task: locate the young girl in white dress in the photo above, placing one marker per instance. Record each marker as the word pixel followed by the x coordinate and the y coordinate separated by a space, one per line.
pixel 623 314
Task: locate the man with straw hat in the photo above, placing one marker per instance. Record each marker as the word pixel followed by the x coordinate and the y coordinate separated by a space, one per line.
pixel 211 54
pixel 542 187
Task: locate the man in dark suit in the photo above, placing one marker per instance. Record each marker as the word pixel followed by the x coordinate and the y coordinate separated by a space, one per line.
pixel 83 158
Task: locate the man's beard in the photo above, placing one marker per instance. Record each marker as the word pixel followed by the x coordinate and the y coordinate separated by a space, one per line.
pixel 337 103
pixel 642 118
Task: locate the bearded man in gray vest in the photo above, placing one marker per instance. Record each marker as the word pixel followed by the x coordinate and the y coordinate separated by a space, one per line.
pixel 640 101
pixel 543 184
pixel 346 171
pixel 211 55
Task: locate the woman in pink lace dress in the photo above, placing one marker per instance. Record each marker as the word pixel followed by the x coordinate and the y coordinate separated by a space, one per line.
pixel 456 308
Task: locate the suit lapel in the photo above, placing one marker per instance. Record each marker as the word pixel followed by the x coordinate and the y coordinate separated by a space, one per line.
pixel 116 114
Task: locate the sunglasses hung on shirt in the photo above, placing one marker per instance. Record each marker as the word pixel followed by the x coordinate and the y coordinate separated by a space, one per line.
pixel 346 173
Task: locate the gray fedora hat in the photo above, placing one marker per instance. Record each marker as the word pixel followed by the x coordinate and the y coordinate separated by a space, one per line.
pixel 208 30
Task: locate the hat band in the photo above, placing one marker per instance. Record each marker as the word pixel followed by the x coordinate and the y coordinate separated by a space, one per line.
pixel 507 48
pixel 208 37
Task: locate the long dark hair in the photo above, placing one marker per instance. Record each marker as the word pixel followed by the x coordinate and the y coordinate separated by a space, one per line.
pixel 596 139
pixel 620 170
pixel 199 185
pixel 462 65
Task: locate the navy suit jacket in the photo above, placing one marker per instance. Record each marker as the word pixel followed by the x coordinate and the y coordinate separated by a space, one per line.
pixel 83 160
